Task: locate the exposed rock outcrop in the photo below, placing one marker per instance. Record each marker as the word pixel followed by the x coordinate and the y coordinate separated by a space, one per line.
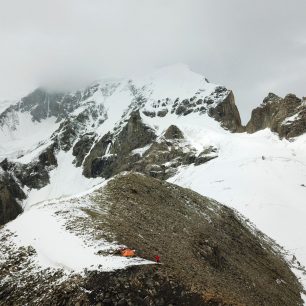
pixel 173 132
pixel 10 193
pixel 136 148
pixel 111 154
pixel 36 173
pixel 206 155
pixel 285 116
pixel 226 112
pixel 82 147
pixel 220 105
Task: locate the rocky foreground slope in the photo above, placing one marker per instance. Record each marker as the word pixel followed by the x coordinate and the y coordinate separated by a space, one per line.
pixel 209 254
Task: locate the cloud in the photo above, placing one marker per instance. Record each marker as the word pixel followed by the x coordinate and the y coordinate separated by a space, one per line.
pixel 252 47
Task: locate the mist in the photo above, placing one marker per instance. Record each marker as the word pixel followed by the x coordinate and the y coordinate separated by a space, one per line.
pixel 250 47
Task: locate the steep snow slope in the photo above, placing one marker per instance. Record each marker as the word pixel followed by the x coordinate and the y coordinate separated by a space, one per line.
pixel 5 104
pixel 20 135
pixel 65 180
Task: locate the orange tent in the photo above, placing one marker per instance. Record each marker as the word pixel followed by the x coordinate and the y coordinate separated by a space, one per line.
pixel 128 253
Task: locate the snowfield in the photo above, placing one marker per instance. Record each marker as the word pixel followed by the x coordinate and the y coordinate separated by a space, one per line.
pixel 22 137
pixel 65 180
pixel 44 227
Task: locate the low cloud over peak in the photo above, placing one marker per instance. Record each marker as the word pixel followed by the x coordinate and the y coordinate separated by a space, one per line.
pixel 251 47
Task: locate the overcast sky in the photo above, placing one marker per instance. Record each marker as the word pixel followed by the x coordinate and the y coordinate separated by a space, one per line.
pixel 252 47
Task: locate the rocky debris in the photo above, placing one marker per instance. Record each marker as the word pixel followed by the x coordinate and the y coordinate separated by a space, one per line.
pixel 140 286
pixel 149 113
pixel 185 107
pixel 285 116
pixel 135 286
pixel 202 244
pixel 162 113
pixel 226 112
pixel 10 193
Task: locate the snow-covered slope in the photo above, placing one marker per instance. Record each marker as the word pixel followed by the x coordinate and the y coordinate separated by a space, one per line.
pixel 44 227
pixel 4 104
pixel 260 175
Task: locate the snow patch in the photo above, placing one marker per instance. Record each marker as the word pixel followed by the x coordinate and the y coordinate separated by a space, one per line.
pixel 65 180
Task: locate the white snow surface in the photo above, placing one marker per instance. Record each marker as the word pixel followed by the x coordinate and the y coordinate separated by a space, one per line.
pixel 22 136
pixel 4 104
pixel 44 228
pixel 65 180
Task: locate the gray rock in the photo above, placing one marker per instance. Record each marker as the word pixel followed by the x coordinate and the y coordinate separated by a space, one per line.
pixel 10 193
pixel 285 116
pixel 162 113
pixel 226 112
pixel 173 132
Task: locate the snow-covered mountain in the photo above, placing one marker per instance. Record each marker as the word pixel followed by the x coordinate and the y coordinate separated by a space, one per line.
pixel 57 148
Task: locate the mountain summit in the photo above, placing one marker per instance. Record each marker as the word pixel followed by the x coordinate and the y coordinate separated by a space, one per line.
pixel 85 173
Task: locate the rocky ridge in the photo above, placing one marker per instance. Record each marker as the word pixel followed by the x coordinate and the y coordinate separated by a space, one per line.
pixel 284 116
pixel 217 259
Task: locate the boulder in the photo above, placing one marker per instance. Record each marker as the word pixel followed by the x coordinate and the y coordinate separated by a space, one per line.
pixel 173 132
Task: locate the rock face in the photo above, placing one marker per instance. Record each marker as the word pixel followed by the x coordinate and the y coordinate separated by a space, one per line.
pixel 135 147
pixel 10 192
pixel 285 116
pixel 34 174
pixel 111 154
pixel 227 114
